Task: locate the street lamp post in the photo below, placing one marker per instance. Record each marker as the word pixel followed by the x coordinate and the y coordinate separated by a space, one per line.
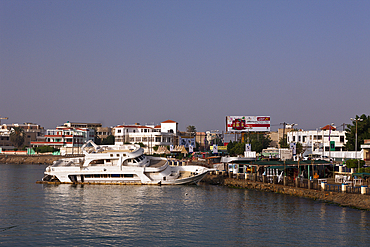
pixel 357 119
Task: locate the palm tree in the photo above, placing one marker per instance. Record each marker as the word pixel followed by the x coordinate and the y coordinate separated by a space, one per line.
pixel 17 136
pixel 191 129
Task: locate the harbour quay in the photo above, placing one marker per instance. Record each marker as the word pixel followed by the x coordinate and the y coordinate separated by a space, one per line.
pixel 327 191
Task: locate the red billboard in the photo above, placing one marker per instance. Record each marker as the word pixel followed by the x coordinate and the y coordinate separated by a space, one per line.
pixel 247 123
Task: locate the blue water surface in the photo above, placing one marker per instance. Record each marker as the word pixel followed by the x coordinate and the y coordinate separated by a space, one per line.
pixel 109 215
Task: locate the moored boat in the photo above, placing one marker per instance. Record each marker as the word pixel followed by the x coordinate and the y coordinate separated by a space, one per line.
pixel 120 164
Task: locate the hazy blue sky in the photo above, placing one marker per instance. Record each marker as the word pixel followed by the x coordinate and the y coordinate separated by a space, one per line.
pixel 193 62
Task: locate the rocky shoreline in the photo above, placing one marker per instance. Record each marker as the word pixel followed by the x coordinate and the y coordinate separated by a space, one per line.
pixel 357 201
pixel 28 159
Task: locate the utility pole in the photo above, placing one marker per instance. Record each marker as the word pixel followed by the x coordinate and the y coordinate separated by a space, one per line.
pixel 344 125
pixel 284 132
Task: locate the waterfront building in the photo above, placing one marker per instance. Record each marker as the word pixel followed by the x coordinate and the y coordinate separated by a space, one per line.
pixel 318 141
pixel 63 136
pixel 200 138
pixel 103 132
pixel 32 132
pixel 366 151
pixel 276 136
pixel 150 136
pixel 327 142
pixel 213 137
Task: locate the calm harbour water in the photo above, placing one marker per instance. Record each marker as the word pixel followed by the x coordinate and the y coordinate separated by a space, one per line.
pixel 65 215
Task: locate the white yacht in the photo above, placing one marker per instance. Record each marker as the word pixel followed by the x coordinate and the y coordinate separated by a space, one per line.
pixel 120 164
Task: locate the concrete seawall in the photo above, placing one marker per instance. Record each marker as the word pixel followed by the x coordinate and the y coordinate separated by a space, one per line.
pixel 28 159
pixel 343 199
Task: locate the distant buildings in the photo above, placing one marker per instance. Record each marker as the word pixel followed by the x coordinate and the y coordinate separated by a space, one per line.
pixel 150 135
pixel 101 132
pixel 67 135
pixel 317 141
pixel 32 133
pixel 324 142
pixel 201 139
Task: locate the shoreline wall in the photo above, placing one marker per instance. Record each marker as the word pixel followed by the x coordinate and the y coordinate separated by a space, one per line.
pixel 28 159
pixel 357 201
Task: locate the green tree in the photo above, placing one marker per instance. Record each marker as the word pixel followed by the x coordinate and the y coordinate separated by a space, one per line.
pixel 197 145
pixel 363 132
pixel 17 136
pixel 283 143
pixel 109 140
pixel 353 163
pixel 259 141
pixel 299 148
pixel 191 129
pixel 97 139
pixel 230 146
pixel 140 144
pixel 235 148
pixel 45 149
pixel 238 148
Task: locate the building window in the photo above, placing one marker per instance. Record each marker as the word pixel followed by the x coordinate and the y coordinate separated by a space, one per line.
pixel 341 139
pixel 119 131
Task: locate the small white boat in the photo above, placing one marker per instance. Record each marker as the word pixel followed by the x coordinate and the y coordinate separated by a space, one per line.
pixel 120 164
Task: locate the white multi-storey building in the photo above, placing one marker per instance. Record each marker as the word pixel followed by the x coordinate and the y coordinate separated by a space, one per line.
pixel 150 135
pixel 66 137
pixel 318 141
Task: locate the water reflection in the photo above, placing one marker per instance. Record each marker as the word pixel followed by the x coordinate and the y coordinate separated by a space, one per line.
pixel 34 214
